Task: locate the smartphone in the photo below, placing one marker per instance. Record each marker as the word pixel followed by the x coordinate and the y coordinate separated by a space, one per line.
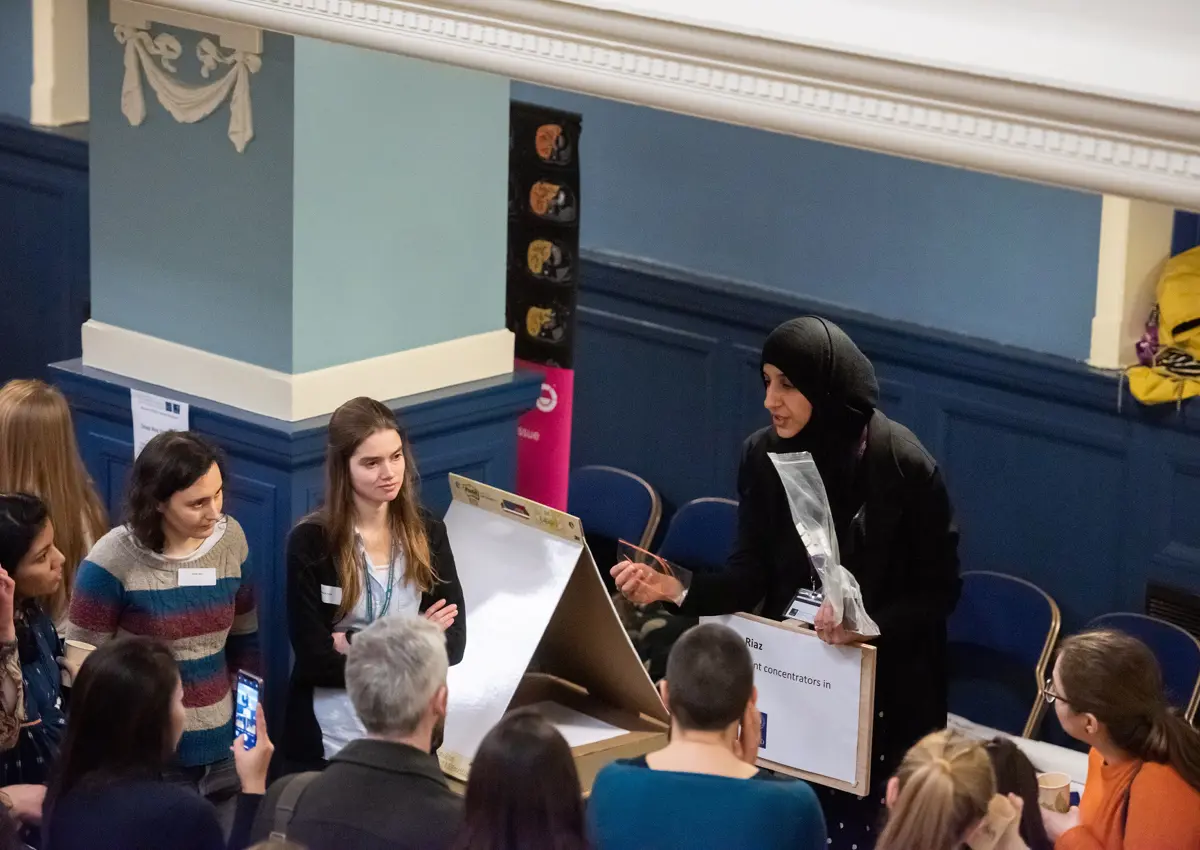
pixel 245 707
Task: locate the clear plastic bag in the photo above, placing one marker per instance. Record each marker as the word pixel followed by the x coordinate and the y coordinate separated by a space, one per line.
pixel 814 522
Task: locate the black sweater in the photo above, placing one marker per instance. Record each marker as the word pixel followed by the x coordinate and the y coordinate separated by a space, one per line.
pixel 311 625
pixel 903 550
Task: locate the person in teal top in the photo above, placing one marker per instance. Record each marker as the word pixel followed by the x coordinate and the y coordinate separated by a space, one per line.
pixel 703 789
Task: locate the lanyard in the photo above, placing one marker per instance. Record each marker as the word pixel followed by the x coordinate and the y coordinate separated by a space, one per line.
pixel 391 579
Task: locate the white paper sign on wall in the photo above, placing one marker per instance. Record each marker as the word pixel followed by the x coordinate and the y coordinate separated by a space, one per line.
pixel 153 414
pixel 809 693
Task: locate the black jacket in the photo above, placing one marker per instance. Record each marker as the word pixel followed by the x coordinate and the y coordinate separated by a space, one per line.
pixel 903 549
pixel 375 795
pixel 311 621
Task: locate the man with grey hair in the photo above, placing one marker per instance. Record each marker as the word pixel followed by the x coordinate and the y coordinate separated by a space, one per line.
pixel 385 791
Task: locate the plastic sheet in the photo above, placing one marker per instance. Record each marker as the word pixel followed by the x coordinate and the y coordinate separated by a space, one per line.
pixel 626 551
pixel 814 522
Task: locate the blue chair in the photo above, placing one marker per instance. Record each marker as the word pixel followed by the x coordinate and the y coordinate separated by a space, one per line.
pixel 701 535
pixel 613 505
pixel 1000 639
pixel 1177 651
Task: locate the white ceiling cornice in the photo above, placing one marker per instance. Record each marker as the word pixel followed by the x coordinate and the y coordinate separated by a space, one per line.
pixel 1135 134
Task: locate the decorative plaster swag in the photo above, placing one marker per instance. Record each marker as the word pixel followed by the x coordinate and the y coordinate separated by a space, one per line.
pixel 187 103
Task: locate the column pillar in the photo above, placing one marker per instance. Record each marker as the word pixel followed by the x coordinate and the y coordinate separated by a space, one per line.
pixel 329 222
pixel 1135 242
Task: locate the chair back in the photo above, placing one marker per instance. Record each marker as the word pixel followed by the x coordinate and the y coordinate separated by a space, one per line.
pixel 1000 639
pixel 1177 651
pixel 613 505
pixel 701 535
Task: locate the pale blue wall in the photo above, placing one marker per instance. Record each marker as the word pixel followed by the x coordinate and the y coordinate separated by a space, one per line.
pixel 985 256
pixel 401 199
pixel 16 57
pixel 192 241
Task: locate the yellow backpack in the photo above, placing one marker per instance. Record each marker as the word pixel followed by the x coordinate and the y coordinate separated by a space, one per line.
pixel 1173 373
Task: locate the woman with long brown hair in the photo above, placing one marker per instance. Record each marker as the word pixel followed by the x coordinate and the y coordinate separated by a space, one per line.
pixel 39 456
pixel 1143 788
pixel 370 551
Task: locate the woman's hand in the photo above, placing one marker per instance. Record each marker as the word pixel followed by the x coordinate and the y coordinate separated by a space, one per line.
pixel 746 745
pixel 643 585
pixel 8 590
pixel 1059 823
pixel 441 614
pixel 340 643
pixel 830 630
pixel 252 764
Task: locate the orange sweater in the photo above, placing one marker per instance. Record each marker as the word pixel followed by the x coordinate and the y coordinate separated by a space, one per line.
pixel 1164 811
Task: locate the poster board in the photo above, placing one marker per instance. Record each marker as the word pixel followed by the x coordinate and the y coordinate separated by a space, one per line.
pixel 540 628
pixel 817 701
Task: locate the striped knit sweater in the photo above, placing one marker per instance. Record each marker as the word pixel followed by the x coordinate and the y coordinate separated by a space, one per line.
pixel 123 588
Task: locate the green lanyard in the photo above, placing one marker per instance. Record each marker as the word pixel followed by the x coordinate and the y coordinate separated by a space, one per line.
pixel 391 580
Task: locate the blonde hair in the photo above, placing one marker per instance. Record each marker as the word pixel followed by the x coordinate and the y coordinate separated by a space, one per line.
pixel 350 425
pixel 39 455
pixel 946 783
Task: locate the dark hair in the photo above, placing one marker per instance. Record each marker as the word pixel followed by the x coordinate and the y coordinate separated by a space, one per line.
pixel 1015 774
pixel 10 832
pixel 523 790
pixel 1116 677
pixel 120 716
pixel 22 518
pixel 170 462
pixel 710 678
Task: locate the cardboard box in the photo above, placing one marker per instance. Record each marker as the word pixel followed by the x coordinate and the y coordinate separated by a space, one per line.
pixel 541 630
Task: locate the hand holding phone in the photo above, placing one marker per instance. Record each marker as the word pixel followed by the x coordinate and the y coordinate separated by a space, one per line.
pixel 245 707
pixel 253 758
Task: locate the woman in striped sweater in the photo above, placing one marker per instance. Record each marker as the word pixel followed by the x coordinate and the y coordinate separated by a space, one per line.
pixel 175 571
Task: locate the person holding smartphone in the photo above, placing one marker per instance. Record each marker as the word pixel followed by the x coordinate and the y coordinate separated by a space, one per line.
pixel 372 550
pixel 176 571
pixel 127 719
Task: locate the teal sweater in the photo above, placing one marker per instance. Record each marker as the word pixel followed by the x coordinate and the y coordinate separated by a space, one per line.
pixel 635 808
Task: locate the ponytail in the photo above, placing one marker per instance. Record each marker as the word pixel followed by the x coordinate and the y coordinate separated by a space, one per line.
pixel 1181 745
pixel 946 783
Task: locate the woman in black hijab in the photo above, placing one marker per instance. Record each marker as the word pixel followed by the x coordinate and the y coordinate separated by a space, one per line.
pixel 895 532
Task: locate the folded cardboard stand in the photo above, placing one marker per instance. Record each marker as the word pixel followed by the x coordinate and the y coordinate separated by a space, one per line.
pixel 541 630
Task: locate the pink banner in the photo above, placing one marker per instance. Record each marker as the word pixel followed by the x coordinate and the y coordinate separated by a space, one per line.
pixel 544 438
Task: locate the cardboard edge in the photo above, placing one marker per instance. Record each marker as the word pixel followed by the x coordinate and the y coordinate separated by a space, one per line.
pixel 517 508
pixel 866 717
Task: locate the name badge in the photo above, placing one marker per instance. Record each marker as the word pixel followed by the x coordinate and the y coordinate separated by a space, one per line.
pixel 805 606
pixel 198 577
pixel 331 595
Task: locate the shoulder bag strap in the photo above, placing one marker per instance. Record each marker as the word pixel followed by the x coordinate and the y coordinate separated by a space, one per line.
pixel 289 799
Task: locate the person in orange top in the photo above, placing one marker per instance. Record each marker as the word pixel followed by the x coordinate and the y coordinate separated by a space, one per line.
pixel 1143 788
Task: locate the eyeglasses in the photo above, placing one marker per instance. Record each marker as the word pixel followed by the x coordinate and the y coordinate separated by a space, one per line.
pixel 1048 693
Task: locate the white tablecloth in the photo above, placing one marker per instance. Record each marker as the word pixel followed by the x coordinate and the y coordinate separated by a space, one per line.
pixel 1046 758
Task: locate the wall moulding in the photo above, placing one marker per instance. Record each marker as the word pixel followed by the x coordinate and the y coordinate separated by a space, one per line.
pixel 1069 132
pixel 154 57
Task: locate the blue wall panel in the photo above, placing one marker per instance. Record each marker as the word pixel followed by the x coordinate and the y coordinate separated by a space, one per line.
pixel 991 257
pixel 43 246
pixel 276 468
pixel 1050 481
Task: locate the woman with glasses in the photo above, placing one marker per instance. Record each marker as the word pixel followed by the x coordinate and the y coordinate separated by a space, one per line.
pixel 1143 789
